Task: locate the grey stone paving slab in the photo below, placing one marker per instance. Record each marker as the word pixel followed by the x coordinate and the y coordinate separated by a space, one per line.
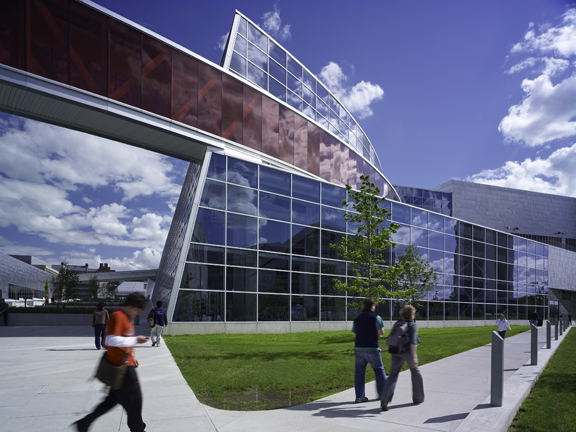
pixel 45 386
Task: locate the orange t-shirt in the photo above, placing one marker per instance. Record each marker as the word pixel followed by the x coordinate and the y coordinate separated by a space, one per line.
pixel 119 325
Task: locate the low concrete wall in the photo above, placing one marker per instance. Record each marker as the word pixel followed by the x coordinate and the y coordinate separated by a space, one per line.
pixel 48 319
pixel 178 328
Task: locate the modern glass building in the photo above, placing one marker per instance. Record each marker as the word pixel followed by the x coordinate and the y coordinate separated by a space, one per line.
pixel 270 151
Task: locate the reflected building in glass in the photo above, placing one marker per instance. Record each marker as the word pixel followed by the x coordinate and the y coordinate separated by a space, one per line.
pixel 249 246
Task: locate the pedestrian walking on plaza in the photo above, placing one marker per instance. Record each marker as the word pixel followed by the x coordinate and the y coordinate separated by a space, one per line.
pixel 533 317
pixel 120 342
pixel 4 311
pixel 502 323
pixel 407 314
pixel 367 328
pixel 569 318
pixel 160 321
pixel 100 319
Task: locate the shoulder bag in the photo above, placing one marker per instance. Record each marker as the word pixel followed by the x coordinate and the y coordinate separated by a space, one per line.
pixel 112 375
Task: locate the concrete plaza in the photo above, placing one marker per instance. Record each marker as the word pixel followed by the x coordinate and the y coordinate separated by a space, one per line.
pixel 45 386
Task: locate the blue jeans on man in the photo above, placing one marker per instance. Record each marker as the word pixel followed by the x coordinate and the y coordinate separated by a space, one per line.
pixel 362 358
pixel 99 335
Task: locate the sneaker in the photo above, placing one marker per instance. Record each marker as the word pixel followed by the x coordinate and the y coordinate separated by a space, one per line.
pixel 80 426
pixel 384 406
pixel 359 400
pixel 153 343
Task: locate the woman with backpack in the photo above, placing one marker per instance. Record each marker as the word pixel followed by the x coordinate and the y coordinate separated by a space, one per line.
pixel 404 353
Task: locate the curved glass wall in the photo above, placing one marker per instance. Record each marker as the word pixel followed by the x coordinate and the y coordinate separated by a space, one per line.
pixel 260 251
pixel 439 202
pixel 259 58
pixel 113 59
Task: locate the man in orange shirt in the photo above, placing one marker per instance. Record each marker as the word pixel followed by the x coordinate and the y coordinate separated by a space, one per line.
pixel 120 340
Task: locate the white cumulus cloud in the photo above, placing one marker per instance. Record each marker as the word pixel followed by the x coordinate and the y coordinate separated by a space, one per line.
pixel 553 175
pixel 548 109
pixel 221 44
pixel 357 98
pixel 272 24
pixel 69 188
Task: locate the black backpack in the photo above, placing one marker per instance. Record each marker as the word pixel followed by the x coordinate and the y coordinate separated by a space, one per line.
pixel 398 339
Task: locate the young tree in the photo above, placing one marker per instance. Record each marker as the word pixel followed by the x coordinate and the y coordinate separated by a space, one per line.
pixel 414 275
pixel 93 287
pixel 65 284
pixel 365 250
pixel 110 289
pixel 47 288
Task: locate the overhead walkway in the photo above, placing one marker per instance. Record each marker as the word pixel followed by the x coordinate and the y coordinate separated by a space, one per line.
pixel 44 373
pixel 119 276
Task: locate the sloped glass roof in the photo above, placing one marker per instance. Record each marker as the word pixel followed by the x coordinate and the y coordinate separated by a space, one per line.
pixel 254 55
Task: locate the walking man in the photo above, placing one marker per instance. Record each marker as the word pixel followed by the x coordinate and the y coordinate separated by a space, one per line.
pixel 502 323
pixel 367 328
pixel 407 313
pixel 4 311
pixel 120 336
pixel 160 321
pixel 533 318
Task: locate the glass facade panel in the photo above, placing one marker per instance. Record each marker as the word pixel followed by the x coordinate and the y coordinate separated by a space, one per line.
pixel 305 213
pixel 304 283
pixel 333 309
pixel 305 189
pixel 333 219
pixel 333 195
pixel 203 277
pixel 305 241
pixel 240 279
pixel 241 231
pixel 209 227
pixel 305 308
pixel 273 281
pixel 242 200
pixel 274 236
pixel 273 308
pixel 241 257
pixel 240 307
pixel 205 254
pixel 274 206
pixel 195 306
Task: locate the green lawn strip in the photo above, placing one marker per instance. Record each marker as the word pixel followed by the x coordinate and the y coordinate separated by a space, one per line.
pixel 550 406
pixel 260 371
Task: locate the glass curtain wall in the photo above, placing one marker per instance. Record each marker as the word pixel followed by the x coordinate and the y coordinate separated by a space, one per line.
pixel 260 251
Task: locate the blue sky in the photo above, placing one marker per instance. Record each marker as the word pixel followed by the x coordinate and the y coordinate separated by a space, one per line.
pixel 477 91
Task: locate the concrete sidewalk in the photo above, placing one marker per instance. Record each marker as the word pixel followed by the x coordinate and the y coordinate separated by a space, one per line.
pixel 44 387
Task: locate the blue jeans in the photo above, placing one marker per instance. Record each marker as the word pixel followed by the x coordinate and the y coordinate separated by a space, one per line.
pixel 502 334
pixel 99 334
pixel 362 358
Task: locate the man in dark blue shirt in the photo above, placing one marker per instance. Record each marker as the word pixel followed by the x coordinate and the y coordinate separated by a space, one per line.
pixel 367 328
pixel 160 321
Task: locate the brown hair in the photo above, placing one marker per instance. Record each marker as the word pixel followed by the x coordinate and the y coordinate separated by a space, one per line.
pixel 408 312
pixel 368 303
pixel 136 300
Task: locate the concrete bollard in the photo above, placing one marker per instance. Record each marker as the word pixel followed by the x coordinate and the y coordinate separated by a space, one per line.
pixel 534 345
pixel 497 371
pixel 556 330
pixel 548 335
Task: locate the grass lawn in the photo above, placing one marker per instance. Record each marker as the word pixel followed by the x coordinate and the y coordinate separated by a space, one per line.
pixel 551 405
pixel 267 371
